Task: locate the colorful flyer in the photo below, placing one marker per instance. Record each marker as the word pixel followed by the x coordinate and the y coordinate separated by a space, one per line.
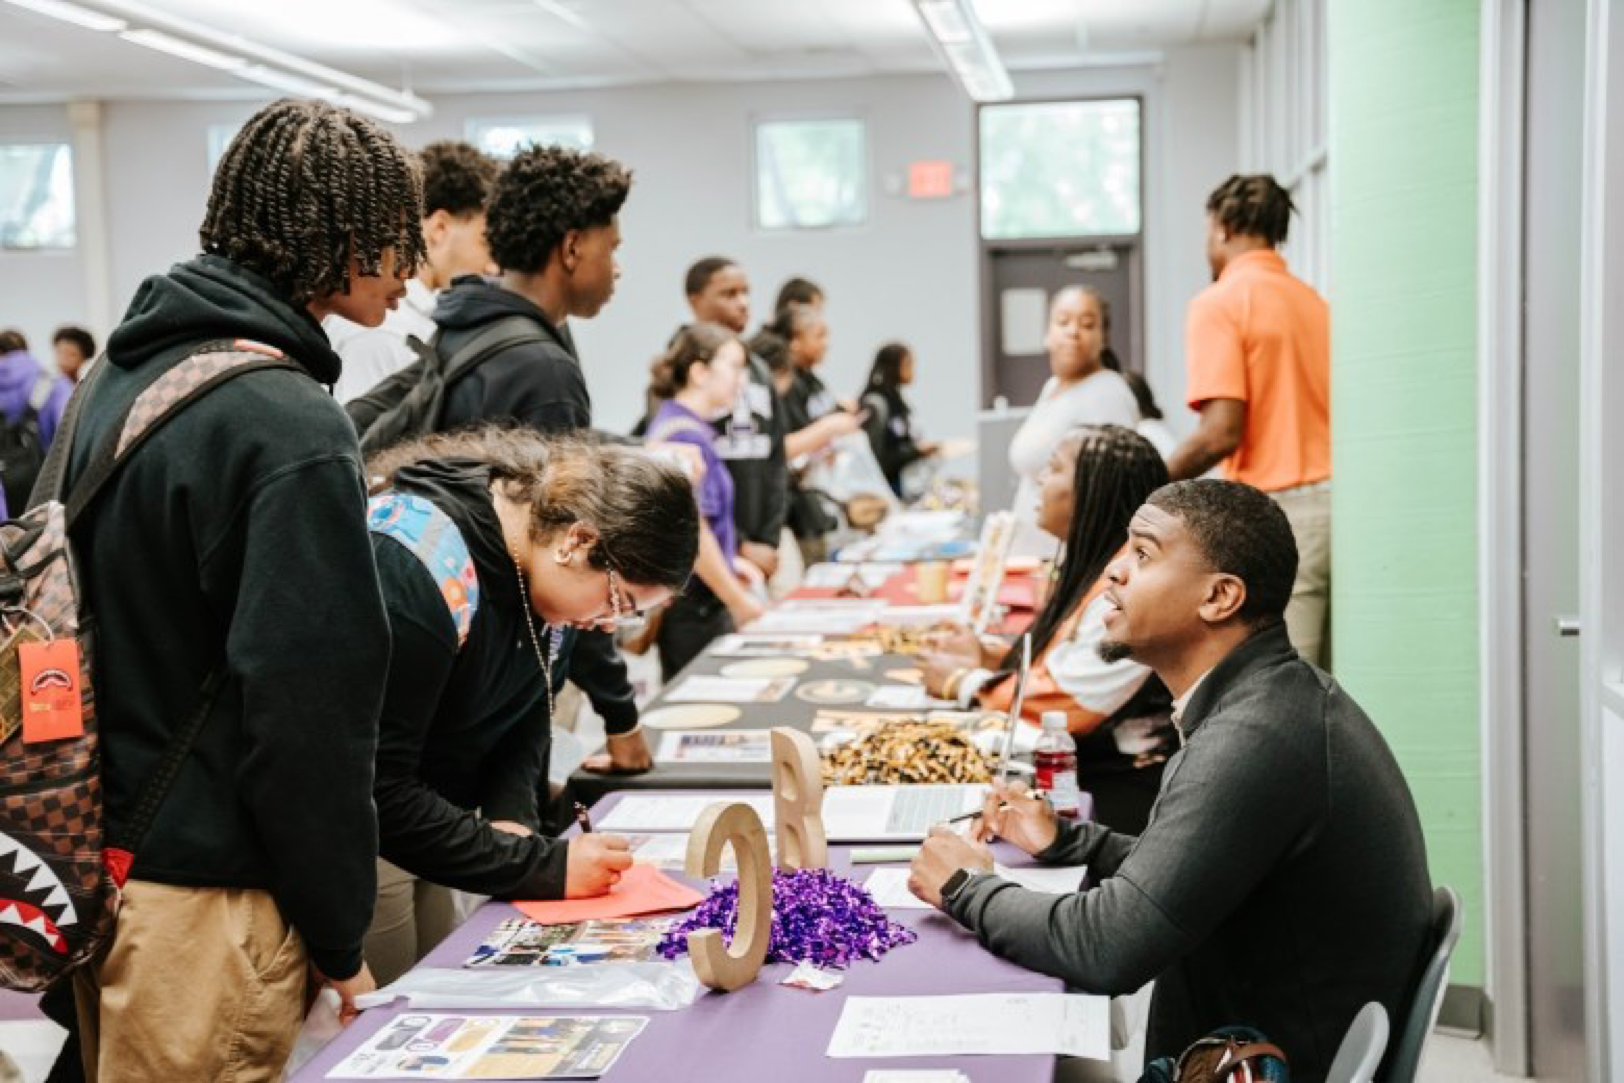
pixel 435 1046
pixel 520 942
pixel 729 746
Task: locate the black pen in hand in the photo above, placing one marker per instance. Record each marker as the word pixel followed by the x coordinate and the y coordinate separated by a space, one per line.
pixel 582 820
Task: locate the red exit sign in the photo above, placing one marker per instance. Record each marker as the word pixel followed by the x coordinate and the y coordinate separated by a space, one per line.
pixel 930 180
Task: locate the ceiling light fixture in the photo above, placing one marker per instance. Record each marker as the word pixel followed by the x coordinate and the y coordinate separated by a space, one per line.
pixel 141 24
pixel 962 42
pixel 185 50
pixel 72 13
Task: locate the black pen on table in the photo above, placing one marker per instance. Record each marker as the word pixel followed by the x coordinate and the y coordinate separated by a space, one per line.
pixel 959 819
pixel 582 820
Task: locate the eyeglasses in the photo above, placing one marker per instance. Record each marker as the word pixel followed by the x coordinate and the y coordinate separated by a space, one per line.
pixel 622 613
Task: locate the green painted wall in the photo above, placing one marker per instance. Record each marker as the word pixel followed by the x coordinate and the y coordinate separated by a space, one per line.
pixel 1403 175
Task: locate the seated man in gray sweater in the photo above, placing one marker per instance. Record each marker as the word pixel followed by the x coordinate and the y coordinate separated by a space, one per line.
pixel 1282 881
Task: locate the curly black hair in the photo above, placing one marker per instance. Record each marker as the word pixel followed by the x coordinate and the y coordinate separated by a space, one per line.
pixel 306 185
pixel 457 178
pixel 543 194
pixel 79 337
pixel 1254 205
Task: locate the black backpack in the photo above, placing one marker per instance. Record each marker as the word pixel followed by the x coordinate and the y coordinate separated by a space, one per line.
pixel 22 450
pixel 412 402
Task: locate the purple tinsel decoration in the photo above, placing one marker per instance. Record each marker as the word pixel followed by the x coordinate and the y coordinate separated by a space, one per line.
pixel 817 917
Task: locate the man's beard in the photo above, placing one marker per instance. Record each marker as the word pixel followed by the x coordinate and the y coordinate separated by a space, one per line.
pixel 1112 651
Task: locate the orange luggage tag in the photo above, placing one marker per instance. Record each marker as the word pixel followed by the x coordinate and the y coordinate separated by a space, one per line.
pixel 52 708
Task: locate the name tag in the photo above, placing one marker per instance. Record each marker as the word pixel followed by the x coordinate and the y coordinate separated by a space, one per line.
pixel 742 445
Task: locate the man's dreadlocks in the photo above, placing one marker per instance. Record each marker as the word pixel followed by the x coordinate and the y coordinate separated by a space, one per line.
pixel 306 185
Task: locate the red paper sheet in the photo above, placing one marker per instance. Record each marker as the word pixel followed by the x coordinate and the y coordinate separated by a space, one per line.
pixel 643 889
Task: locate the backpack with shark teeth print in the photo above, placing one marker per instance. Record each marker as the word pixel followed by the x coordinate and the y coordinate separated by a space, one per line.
pixel 60 875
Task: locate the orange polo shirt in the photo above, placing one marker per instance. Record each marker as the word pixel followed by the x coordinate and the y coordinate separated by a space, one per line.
pixel 1262 335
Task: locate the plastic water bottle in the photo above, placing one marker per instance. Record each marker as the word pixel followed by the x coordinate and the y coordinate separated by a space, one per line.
pixel 1055 759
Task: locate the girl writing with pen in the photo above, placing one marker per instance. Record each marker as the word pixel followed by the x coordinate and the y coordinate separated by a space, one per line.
pixel 492 547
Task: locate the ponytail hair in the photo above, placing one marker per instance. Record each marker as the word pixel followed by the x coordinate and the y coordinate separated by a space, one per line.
pixel 641 508
pixel 693 344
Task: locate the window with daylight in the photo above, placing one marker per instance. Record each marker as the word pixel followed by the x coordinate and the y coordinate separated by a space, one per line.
pixel 36 196
pixel 811 174
pixel 503 137
pixel 1060 169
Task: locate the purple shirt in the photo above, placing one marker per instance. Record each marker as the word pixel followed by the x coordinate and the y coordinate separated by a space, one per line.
pixel 675 423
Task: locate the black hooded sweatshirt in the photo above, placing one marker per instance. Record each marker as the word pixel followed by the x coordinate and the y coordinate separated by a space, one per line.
pixel 236 536
pixel 541 386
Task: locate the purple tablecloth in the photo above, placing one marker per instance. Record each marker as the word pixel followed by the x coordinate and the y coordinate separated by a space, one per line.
pixel 766 1031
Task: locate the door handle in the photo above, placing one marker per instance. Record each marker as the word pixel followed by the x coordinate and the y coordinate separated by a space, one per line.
pixel 1566 625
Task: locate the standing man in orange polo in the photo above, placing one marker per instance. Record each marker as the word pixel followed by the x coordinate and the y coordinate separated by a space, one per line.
pixel 1258 351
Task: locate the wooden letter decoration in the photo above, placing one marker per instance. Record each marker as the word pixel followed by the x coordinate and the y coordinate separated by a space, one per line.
pixel 716 965
pixel 798 801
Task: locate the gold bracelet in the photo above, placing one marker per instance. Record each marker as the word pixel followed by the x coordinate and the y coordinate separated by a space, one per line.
pixel 950 687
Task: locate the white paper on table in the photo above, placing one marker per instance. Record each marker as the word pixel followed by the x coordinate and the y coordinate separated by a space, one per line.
pixel 745 645
pixel 889 886
pixel 703 688
pixel 904 697
pixel 665 813
pixel 715 746
pixel 1006 1024
pixel 828 621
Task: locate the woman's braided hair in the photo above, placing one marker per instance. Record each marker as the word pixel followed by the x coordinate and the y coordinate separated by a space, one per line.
pixel 306 185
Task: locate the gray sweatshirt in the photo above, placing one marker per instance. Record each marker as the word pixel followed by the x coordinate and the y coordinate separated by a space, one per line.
pixel 1281 883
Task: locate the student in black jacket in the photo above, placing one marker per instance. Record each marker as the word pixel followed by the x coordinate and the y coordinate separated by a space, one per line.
pixel 1282 881
pixel 889 424
pixel 529 535
pixel 752 436
pixel 236 538
pixel 553 229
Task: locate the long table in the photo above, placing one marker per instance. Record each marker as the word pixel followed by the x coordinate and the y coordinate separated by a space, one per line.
pixel 767 1031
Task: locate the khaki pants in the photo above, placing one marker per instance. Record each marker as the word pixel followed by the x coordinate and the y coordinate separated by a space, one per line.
pixel 200 983
pixel 1308 615
pixel 410 919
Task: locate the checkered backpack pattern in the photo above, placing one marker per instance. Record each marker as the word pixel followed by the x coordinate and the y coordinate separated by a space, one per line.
pixel 60 875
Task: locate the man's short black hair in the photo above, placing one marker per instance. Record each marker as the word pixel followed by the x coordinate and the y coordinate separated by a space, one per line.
pixel 1255 206
pixel 12 341
pixel 1242 532
pixel 543 194
pixel 700 274
pixel 79 337
pixel 457 178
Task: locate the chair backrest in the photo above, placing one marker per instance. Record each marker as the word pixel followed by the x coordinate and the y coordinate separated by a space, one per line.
pixel 1429 991
pixel 1361 1051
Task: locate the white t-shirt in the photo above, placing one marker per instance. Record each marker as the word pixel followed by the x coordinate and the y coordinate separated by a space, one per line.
pixel 1101 399
pixel 373 354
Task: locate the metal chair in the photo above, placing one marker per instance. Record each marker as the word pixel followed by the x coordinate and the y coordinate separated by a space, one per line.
pixel 1429 991
pixel 1361 1051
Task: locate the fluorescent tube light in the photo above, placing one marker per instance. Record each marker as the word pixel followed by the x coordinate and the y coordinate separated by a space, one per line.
pixel 964 47
pixel 186 50
pixel 287 81
pixel 72 13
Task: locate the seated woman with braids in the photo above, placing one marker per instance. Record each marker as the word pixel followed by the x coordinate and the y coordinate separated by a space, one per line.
pixel 1117 712
pixel 491 545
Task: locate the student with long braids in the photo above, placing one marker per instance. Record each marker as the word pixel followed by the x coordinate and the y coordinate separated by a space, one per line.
pixel 234 543
pixel 1116 711
pixel 489 544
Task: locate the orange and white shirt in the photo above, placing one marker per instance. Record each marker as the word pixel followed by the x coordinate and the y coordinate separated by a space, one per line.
pixel 1263 336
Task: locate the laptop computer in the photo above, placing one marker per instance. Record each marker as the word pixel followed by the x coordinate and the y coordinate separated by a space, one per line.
pixel 907 813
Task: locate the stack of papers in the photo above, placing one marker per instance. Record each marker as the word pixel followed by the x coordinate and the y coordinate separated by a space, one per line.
pixel 701 688
pixel 1007 1024
pixel 716 746
pixel 643 889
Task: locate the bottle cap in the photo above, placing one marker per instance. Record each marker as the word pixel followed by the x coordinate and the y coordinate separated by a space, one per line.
pixel 1054 720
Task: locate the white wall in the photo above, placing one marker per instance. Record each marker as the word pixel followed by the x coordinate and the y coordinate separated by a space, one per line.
pixel 909 273
pixel 40 291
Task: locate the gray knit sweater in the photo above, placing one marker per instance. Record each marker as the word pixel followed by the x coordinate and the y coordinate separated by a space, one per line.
pixel 1281 883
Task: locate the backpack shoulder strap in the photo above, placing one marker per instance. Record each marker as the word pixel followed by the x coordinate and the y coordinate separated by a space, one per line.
pixel 487 342
pixel 196 375
pixel 429 535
